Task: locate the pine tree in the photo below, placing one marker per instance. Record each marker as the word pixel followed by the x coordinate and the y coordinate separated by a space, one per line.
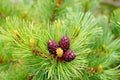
pixel 59 40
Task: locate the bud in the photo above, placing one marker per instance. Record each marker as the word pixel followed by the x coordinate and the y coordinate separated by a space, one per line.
pixel 58 3
pixel 92 70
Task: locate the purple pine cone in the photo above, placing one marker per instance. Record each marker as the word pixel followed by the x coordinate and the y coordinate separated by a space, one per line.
pixel 69 55
pixel 64 43
pixel 52 46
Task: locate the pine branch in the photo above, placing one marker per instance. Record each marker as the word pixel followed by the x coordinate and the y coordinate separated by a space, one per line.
pixel 93 47
pixel 34 49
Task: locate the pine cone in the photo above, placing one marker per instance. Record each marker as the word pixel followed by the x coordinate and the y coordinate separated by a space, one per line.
pixel 64 43
pixel 69 55
pixel 52 46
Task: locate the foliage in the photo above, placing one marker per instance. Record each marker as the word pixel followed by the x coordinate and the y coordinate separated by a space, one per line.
pixel 27 26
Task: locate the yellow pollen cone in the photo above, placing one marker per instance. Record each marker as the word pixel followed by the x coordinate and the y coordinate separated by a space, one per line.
pixel 99 68
pixel 59 52
pixel 15 32
pixel 32 42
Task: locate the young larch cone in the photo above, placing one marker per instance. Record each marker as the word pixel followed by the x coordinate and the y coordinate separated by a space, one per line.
pixel 52 46
pixel 64 43
pixel 69 55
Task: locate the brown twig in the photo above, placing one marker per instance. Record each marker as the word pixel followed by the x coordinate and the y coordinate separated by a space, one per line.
pixel 2 60
pixel 30 77
pixel 58 4
pixel 112 3
pixel 38 53
pixel 13 61
pixel 86 6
